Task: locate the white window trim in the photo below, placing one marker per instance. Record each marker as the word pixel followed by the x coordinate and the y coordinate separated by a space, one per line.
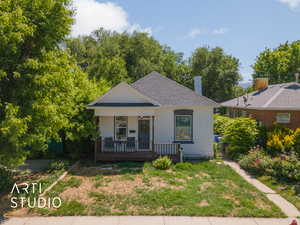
pixel 191 139
pixel 280 120
pixel 116 128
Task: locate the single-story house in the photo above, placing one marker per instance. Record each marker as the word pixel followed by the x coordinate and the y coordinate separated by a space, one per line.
pixel 269 104
pixel 153 116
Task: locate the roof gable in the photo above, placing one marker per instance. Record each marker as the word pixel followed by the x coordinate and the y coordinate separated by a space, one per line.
pixel 123 93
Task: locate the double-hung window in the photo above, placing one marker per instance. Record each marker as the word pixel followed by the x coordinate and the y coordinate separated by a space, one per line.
pixel 183 125
pixel 283 118
pixel 121 127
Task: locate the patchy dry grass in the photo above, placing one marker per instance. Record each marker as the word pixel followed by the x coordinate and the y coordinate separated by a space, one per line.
pixel 45 178
pixel 199 189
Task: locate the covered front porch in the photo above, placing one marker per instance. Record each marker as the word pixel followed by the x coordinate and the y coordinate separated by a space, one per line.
pixel 128 135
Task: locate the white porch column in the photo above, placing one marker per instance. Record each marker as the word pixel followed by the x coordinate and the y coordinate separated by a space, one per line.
pixel 152 133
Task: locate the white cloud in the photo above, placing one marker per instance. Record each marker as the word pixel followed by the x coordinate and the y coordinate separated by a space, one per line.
pixel 221 30
pixel 293 4
pixel 91 15
pixel 202 31
pixel 196 32
pixel 137 27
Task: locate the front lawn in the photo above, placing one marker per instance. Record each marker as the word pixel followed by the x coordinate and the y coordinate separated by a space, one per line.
pixel 45 178
pixel 207 188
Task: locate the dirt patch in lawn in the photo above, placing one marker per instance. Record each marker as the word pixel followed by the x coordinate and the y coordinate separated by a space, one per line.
pixel 203 203
pixel 204 186
pixel 118 185
pixel 261 204
pixel 232 198
pixel 79 193
pixel 114 185
pixel 201 175
pixel 230 184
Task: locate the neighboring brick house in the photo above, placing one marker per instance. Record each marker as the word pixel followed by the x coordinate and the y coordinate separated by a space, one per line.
pixel 279 103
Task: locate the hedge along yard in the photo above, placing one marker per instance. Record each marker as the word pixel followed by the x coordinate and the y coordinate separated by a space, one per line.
pixel 207 188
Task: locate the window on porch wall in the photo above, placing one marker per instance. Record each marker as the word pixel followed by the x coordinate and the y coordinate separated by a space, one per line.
pixel 183 127
pixel 121 127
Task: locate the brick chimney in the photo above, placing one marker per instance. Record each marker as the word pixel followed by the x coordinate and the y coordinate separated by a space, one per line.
pixel 261 83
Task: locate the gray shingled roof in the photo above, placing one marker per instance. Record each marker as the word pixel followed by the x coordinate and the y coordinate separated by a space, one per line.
pixel 168 92
pixel 279 96
pixel 164 92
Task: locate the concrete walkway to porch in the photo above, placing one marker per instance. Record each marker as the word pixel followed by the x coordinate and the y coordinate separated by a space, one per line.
pixel 144 220
pixel 289 209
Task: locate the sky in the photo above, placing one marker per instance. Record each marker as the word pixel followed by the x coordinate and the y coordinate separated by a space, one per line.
pixel 243 28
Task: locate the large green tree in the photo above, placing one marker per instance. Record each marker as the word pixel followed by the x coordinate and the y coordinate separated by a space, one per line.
pixel 279 64
pixel 116 57
pixel 220 72
pixel 42 90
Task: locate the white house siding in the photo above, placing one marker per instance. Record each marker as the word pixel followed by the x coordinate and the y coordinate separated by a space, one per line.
pixel 106 125
pixel 202 130
pixel 164 126
pixel 123 94
pixel 133 125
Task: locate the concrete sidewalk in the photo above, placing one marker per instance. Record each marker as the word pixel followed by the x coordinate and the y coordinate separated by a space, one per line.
pixel 143 220
pixel 289 209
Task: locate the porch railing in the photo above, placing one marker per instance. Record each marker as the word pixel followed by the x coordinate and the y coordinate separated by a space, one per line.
pixel 136 146
pixel 119 146
pixel 167 148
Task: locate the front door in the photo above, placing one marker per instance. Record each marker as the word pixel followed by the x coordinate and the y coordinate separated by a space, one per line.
pixel 144 134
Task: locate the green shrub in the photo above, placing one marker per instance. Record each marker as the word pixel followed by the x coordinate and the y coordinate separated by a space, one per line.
pixel 297 142
pixel 263 136
pixel 280 140
pixel 286 168
pixel 240 135
pixel 221 123
pixel 162 163
pixel 257 162
pixel 59 165
pixel 6 180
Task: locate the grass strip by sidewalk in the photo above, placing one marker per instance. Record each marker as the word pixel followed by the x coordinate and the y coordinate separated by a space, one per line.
pixel 289 191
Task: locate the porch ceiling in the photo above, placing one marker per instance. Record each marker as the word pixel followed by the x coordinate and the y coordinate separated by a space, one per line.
pixel 125 111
